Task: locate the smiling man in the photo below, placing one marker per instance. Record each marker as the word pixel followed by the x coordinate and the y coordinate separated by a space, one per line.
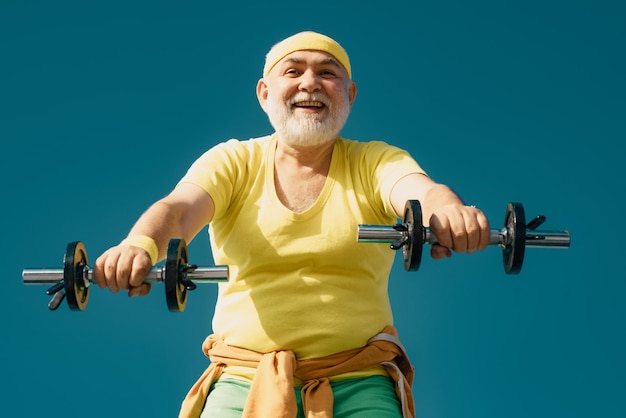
pixel 304 325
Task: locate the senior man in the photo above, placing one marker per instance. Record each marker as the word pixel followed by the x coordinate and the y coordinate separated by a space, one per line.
pixel 304 325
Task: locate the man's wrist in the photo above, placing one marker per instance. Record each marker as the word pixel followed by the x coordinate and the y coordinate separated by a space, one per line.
pixel 145 242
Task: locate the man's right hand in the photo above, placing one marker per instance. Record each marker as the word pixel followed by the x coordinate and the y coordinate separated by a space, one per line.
pixel 124 267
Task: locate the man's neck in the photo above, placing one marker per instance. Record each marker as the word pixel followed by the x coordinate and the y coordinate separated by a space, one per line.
pixel 314 159
pixel 300 174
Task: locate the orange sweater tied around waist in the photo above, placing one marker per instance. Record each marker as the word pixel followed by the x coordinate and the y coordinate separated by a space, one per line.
pixel 271 393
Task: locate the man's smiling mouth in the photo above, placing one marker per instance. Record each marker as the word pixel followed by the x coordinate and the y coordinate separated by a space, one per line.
pixel 310 104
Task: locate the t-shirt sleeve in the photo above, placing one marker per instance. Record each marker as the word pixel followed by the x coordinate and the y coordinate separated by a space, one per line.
pixel 387 164
pixel 220 171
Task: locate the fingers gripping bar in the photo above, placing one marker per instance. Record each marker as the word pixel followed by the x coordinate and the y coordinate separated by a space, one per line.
pixel 514 237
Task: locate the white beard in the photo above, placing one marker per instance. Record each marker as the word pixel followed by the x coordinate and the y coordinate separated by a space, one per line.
pixel 307 130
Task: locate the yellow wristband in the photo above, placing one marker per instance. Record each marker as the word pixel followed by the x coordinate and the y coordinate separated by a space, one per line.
pixel 145 242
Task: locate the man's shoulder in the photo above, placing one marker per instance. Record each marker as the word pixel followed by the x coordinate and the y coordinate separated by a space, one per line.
pixel 246 146
pixel 250 142
pixel 353 146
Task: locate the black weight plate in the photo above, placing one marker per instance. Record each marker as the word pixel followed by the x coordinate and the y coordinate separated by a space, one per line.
pixel 175 291
pixel 74 261
pixel 412 250
pixel 515 225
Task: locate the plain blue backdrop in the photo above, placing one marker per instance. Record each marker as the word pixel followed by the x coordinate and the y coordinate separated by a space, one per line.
pixel 104 105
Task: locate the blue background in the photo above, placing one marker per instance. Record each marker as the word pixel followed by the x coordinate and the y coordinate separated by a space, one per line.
pixel 104 105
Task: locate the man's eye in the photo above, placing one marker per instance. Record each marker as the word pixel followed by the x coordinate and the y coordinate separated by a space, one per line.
pixel 328 74
pixel 292 72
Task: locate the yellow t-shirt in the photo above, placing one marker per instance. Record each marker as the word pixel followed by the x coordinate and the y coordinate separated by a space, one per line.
pixel 300 281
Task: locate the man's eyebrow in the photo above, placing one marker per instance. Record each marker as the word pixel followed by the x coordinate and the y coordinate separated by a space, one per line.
pixel 331 61
pixel 291 61
pixel 327 61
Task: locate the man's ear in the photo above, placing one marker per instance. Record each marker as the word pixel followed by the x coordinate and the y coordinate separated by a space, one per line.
pixel 261 93
pixel 352 90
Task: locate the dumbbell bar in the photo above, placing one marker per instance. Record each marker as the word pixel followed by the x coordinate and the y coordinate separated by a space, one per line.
pixel 73 281
pixel 514 237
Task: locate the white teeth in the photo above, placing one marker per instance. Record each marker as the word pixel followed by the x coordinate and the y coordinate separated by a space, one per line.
pixel 310 104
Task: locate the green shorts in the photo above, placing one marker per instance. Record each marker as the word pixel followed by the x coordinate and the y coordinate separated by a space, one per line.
pixel 373 396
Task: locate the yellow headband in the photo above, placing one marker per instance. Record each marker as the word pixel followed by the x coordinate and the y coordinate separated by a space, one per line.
pixel 310 41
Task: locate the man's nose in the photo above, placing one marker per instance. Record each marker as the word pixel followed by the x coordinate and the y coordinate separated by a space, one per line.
pixel 309 81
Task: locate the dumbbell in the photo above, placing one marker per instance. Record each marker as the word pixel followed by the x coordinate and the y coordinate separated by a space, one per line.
pixel 73 281
pixel 514 237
